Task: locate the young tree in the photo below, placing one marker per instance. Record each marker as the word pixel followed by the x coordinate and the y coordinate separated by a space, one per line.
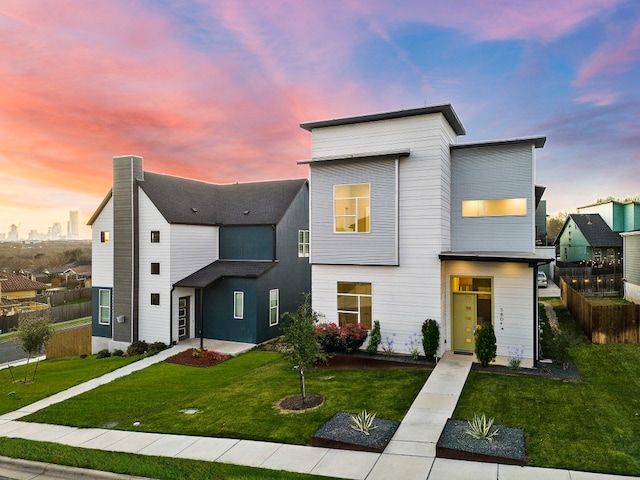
pixel 33 334
pixel 301 347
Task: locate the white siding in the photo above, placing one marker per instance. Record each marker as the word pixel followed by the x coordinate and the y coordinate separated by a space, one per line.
pixel 512 296
pixel 405 295
pixel 605 210
pixel 192 247
pixel 493 172
pixel 102 253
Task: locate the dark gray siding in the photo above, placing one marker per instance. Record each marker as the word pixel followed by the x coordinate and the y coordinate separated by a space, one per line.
pixel 218 311
pixel 380 246
pixel 247 242
pixel 492 172
pixel 125 248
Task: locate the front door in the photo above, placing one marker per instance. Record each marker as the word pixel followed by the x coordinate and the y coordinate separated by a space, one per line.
pixel 183 318
pixel 465 319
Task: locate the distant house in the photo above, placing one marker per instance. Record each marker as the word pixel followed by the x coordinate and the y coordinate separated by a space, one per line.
pixel 17 287
pixel 587 238
pixel 175 259
pixel 71 274
pixel 631 275
pixel 619 216
pixel 407 224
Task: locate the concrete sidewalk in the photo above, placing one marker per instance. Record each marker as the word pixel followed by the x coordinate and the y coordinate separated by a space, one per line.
pixel 410 454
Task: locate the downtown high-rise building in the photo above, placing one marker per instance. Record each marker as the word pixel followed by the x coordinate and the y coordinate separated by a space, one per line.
pixel 72 225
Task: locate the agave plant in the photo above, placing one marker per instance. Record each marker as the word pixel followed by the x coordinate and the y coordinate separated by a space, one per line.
pixel 363 422
pixel 480 428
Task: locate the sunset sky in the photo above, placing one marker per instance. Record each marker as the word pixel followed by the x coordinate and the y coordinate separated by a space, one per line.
pixel 215 90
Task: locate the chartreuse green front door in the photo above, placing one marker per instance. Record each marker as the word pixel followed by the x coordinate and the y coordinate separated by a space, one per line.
pixel 464 321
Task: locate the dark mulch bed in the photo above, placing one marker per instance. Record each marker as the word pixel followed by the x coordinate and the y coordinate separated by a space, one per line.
pixel 337 433
pixel 187 358
pixel 507 447
pixel 294 402
pixel 365 360
pixel 548 370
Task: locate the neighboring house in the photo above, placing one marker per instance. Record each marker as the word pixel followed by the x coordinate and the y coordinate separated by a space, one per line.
pixel 175 259
pixel 76 273
pixel 620 216
pixel 589 239
pixel 408 225
pixel 631 268
pixel 17 287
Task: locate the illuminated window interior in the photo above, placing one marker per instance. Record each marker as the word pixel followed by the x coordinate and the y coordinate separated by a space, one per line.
pixel 494 208
pixel 351 208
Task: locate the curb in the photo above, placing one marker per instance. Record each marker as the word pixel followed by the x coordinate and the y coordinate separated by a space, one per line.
pixel 17 468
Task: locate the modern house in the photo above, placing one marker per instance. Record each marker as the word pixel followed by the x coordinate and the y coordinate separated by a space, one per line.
pixel 407 224
pixel 631 268
pixel 175 259
pixel 619 216
pixel 588 238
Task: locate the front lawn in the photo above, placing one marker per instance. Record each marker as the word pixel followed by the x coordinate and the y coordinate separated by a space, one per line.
pixel 52 376
pixel 591 425
pixel 236 399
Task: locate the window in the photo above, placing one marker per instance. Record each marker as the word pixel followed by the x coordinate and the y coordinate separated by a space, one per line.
pixel 155 269
pixel 155 299
pixel 104 237
pixel 104 307
pixel 274 307
pixel 155 236
pixel 494 208
pixel 303 243
pixel 238 305
pixel 351 208
pixel 354 303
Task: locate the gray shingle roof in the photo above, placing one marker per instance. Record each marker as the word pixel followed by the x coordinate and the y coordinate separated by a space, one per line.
pixel 224 268
pixel 596 231
pixel 186 201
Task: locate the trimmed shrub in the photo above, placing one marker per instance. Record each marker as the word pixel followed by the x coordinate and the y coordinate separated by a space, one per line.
pixel 139 347
pixel 485 344
pixel 156 347
pixel 348 338
pixel 117 353
pixel 430 338
pixel 375 339
pixel 103 354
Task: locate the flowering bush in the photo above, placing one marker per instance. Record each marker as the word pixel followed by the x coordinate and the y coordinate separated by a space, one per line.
pixel 347 338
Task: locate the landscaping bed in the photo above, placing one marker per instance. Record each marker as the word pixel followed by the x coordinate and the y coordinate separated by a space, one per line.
pixel 337 433
pixel 507 447
pixel 366 360
pixel 198 358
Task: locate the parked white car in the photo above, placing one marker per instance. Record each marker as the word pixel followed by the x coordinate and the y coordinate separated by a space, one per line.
pixel 542 279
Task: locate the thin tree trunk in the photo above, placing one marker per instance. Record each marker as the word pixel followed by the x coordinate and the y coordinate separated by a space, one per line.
pixel 302 387
pixel 26 370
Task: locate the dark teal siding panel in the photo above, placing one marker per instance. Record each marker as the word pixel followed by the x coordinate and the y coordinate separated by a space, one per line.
pixel 247 243
pixel 218 311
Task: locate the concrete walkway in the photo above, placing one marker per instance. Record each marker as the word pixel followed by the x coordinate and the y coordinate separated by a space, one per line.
pixel 410 454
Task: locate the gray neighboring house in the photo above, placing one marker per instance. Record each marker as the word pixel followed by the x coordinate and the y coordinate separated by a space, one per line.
pixel 175 258
pixel 631 268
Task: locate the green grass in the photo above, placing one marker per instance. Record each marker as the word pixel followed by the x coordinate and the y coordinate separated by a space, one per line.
pixel 592 425
pixel 236 399
pixel 140 465
pixel 52 376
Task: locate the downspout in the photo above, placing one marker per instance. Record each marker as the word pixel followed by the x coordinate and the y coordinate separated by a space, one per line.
pixel 275 251
pixel 536 326
pixel 201 319
pixel 171 315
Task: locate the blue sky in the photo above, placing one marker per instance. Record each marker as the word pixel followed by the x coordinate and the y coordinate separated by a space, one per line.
pixel 215 90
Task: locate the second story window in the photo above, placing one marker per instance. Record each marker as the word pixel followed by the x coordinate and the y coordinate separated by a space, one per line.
pixel 155 269
pixel 104 237
pixel 494 208
pixel 155 236
pixel 155 299
pixel 303 243
pixel 351 208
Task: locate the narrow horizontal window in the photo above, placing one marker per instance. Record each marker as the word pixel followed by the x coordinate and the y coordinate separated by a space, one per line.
pixel 495 207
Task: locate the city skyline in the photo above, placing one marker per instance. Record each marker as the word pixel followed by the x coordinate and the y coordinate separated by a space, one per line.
pixel 215 91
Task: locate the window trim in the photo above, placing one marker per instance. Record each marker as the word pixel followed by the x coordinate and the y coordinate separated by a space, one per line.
pixel 238 315
pixel 357 199
pixel 487 207
pixel 104 236
pixel 152 268
pixel 304 245
pixel 101 307
pixel 155 236
pixel 359 297
pixel 155 299
pixel 276 307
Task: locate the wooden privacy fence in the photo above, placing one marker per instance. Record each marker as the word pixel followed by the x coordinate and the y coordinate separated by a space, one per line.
pixel 62 313
pixel 603 323
pixel 70 343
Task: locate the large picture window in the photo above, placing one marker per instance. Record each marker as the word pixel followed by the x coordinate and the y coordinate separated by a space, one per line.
pixel 494 208
pixel 274 307
pixel 104 307
pixel 351 208
pixel 354 303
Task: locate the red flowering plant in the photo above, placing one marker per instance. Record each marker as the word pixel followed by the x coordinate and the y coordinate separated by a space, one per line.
pixel 347 338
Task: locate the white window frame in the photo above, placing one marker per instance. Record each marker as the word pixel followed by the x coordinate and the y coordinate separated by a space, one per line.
pixel 104 236
pixel 303 243
pixel 359 297
pixel 152 272
pixel 102 308
pixel 274 307
pixel 155 236
pixel 357 208
pixel 152 297
pixel 238 305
